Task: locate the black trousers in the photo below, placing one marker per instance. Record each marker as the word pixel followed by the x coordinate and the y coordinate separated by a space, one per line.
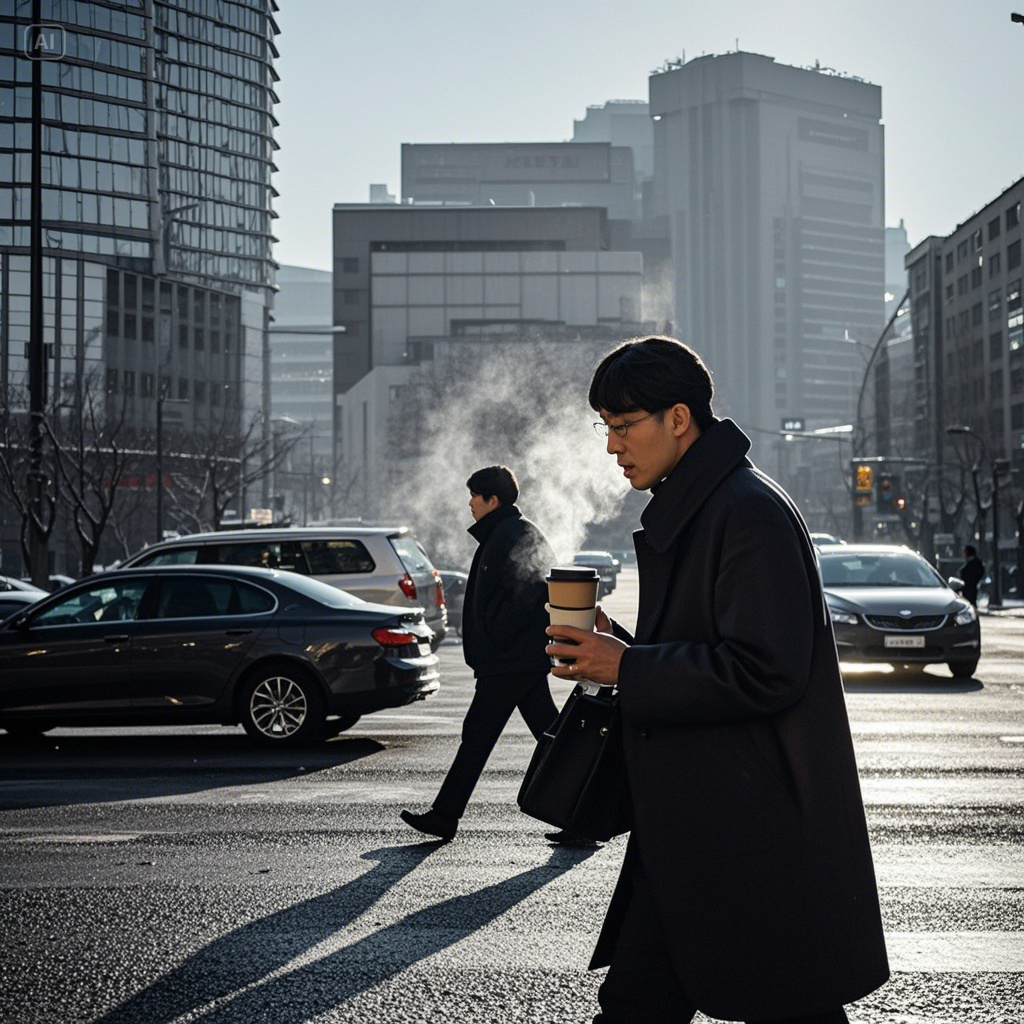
pixel 641 986
pixel 495 699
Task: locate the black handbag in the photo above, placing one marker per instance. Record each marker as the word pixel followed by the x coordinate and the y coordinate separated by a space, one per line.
pixel 577 775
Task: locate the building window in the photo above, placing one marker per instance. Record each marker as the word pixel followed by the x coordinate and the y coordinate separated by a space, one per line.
pixel 349 296
pixel 949 292
pixel 994 304
pixel 350 264
pixel 949 262
pixel 976 314
pixel 993 228
pixel 130 326
pixel 199 391
pixel 995 264
pixel 1014 317
pixel 129 382
pixel 351 328
pixel 976 277
pixel 200 339
pixel 1013 216
pixel 182 335
pixel 962 250
pixel 1013 256
pixel 995 346
pixel 147 328
pixel 961 285
pixel 183 387
pixel 976 239
pixel 147 382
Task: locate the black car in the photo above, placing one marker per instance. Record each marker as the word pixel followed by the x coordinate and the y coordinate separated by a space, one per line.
pixel 889 605
pixel 290 658
pixel 606 565
pixel 454 583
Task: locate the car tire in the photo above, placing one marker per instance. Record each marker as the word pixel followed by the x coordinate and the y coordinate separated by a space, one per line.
pixel 341 724
pixel 282 706
pixel 963 669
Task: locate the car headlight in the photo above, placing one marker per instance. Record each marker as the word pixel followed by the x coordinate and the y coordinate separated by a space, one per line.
pixel 966 616
pixel 845 618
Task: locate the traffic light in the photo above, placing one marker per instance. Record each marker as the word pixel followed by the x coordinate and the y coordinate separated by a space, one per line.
pixel 885 495
pixel 864 477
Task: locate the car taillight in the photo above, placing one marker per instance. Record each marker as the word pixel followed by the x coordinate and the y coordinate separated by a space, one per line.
pixel 439 595
pixel 388 637
pixel 408 587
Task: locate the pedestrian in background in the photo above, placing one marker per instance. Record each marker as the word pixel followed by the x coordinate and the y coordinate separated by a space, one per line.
pixel 748 890
pixel 972 572
pixel 503 639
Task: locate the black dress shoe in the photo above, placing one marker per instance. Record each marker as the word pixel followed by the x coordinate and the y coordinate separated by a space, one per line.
pixel 432 823
pixel 565 838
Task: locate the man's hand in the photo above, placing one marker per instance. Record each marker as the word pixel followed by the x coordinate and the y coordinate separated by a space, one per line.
pixel 601 621
pixel 597 654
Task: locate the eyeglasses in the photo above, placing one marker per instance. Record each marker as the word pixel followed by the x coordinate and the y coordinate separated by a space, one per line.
pixel 621 429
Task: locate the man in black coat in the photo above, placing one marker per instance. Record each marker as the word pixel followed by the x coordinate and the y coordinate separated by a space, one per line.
pixel 503 638
pixel 747 890
pixel 972 572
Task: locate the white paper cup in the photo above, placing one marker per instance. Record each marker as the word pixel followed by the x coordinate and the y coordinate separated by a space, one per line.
pixel 581 618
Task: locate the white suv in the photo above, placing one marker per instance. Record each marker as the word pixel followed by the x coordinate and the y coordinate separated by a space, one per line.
pixel 385 565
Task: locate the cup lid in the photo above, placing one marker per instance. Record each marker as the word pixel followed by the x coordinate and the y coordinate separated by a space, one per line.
pixel 573 574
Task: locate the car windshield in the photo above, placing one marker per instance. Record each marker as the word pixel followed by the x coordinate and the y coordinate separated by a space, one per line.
pixel 324 593
pixel 878 570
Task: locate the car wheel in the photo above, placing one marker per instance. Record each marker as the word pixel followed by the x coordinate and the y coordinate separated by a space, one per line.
pixel 963 669
pixel 282 706
pixel 341 724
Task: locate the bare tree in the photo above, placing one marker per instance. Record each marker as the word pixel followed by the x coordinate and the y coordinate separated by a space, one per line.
pixel 214 467
pixel 92 458
pixel 15 471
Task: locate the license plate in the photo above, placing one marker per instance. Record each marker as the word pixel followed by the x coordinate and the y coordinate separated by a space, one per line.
pixel 904 641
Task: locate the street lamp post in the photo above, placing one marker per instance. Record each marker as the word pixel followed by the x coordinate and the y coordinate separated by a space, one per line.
pixel 859 438
pixel 998 466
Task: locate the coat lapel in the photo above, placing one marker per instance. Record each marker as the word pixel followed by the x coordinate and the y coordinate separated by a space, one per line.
pixel 677 499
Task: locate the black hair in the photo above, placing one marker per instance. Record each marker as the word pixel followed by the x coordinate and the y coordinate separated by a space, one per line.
pixel 970 550
pixel 494 480
pixel 652 374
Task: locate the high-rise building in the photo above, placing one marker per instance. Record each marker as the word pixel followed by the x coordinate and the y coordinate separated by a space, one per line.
pixel 302 354
pixel 771 178
pixel 156 143
pixel 147 127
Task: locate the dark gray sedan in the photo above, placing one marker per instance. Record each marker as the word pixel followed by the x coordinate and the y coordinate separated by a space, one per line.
pixel 289 658
pixel 889 605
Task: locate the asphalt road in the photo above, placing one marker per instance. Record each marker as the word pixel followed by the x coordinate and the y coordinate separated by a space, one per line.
pixel 158 876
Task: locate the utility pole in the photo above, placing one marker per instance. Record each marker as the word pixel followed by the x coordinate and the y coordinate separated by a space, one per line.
pixel 38 540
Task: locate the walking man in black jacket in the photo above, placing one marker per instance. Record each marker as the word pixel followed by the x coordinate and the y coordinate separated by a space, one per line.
pixel 503 626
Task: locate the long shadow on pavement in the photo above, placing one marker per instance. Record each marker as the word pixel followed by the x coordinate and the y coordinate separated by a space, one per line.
pixel 78 769
pixel 248 955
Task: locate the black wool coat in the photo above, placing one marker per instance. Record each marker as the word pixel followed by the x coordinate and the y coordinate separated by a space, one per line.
pixel 503 614
pixel 748 819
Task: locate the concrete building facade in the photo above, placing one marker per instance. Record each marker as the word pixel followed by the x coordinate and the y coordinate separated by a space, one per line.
pixel 771 179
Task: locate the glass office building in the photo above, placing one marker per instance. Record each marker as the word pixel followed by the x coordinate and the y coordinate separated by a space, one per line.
pixel 157 146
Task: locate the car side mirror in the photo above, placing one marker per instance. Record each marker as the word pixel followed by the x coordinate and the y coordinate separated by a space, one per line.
pixel 955 583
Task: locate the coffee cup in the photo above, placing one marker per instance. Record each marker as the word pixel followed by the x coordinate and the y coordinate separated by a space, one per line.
pixel 572 596
pixel 573 586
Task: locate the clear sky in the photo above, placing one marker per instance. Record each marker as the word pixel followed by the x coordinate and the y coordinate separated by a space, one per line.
pixel 360 77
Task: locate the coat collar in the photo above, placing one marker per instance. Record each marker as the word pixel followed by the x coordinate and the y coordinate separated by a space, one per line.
pixel 703 467
pixel 483 528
